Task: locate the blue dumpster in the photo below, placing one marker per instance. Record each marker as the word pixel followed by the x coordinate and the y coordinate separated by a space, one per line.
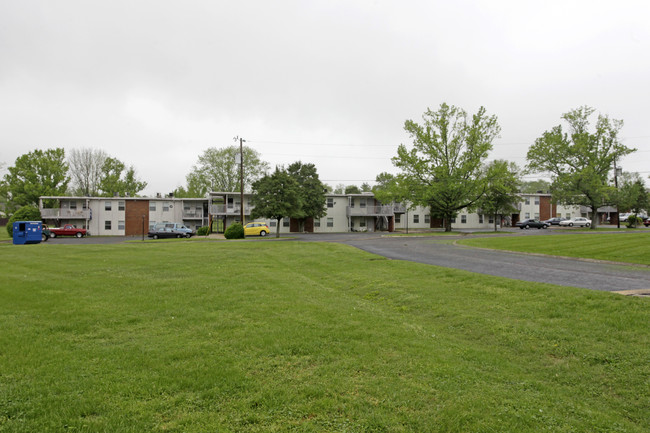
pixel 27 232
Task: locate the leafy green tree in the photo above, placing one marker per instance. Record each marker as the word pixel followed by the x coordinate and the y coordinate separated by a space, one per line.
pixel 632 194
pixel 115 180
pixel 365 187
pixel 218 170
pixel 312 192
pixel 25 213
pixel 276 196
pixel 443 169
pixel 352 189
pixel 502 185
pixel 534 186
pixel 579 161
pixel 339 189
pixel 35 174
pixel 86 170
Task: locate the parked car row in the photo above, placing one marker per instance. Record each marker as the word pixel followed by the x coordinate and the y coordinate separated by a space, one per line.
pixel 170 230
pixel 532 223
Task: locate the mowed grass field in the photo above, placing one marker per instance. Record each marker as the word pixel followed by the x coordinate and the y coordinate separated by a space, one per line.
pixel 631 247
pixel 306 337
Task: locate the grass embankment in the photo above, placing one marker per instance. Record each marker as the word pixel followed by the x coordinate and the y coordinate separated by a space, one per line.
pixel 284 336
pixel 620 247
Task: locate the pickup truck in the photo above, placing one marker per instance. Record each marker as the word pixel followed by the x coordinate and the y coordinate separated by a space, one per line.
pixel 67 230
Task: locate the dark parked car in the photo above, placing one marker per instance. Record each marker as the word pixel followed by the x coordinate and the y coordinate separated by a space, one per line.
pixel 531 223
pixel 166 232
pixel 646 222
pixel 555 221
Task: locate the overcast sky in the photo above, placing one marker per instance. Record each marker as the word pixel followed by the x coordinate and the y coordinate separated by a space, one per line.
pixel 155 83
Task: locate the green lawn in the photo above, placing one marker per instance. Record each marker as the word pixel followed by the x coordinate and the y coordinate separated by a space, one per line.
pixel 306 337
pixel 633 247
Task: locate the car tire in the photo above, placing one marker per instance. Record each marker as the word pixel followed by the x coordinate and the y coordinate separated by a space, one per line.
pixel 188 235
pixel 570 224
pixel 588 225
pixel 544 226
pixel 79 234
pixel 52 235
pixel 155 236
pixel 44 237
pixel 262 233
pixel 526 226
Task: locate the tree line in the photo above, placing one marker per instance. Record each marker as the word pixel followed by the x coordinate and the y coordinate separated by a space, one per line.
pixel 444 169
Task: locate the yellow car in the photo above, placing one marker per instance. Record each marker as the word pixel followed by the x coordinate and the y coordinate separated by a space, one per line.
pixel 256 228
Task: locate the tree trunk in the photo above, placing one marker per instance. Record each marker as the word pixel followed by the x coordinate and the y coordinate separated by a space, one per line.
pixel 447 223
pixel 495 222
pixel 594 216
pixel 277 228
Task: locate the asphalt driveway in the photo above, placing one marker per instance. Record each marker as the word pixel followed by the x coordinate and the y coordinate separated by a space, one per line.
pixel 441 251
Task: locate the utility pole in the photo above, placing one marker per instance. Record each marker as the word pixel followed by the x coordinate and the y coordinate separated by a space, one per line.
pixel 618 214
pixel 241 179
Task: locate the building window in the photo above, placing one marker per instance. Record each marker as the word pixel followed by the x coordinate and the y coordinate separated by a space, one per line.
pixel 453 220
pixel 285 222
pixel 273 223
pixel 536 200
pixel 73 205
pixel 536 216
pixel 152 224
pixel 330 222
pixel 491 219
pixel 480 219
pixel 362 223
pixel 527 215
pixel 107 205
pixel 317 222
pixel 352 202
pixel 152 206
pixel 166 206
pixel 527 201
pixel 398 218
pixel 120 225
pixel 463 219
pixel 84 206
pixel 362 202
pixel 120 205
pixel 186 207
pixel 330 202
pixel 107 225
pixel 416 218
pixel 427 219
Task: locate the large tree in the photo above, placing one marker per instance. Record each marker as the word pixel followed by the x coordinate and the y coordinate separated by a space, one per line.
pixel 579 160
pixel 443 169
pixel 86 170
pixel 117 179
pixel 35 174
pixel 218 170
pixel 276 196
pixel 312 192
pixel 632 194
pixel 502 185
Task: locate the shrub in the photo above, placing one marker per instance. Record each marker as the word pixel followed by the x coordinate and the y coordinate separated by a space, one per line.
pixel 25 213
pixel 203 231
pixel 633 221
pixel 234 231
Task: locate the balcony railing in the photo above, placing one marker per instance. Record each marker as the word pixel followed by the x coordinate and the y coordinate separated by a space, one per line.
pixel 190 215
pixel 386 210
pixel 82 214
pixel 222 209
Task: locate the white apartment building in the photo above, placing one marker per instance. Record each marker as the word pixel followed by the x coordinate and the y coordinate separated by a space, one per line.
pixel 133 216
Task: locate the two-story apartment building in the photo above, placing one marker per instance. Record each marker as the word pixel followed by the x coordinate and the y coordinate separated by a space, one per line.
pixel 133 216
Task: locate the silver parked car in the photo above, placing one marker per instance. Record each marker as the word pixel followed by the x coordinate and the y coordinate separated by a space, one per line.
pixel 577 221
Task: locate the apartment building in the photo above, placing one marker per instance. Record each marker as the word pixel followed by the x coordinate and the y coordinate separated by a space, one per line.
pixel 132 216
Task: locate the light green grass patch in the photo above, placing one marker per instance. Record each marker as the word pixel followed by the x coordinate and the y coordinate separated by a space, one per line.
pixel 306 337
pixel 632 247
